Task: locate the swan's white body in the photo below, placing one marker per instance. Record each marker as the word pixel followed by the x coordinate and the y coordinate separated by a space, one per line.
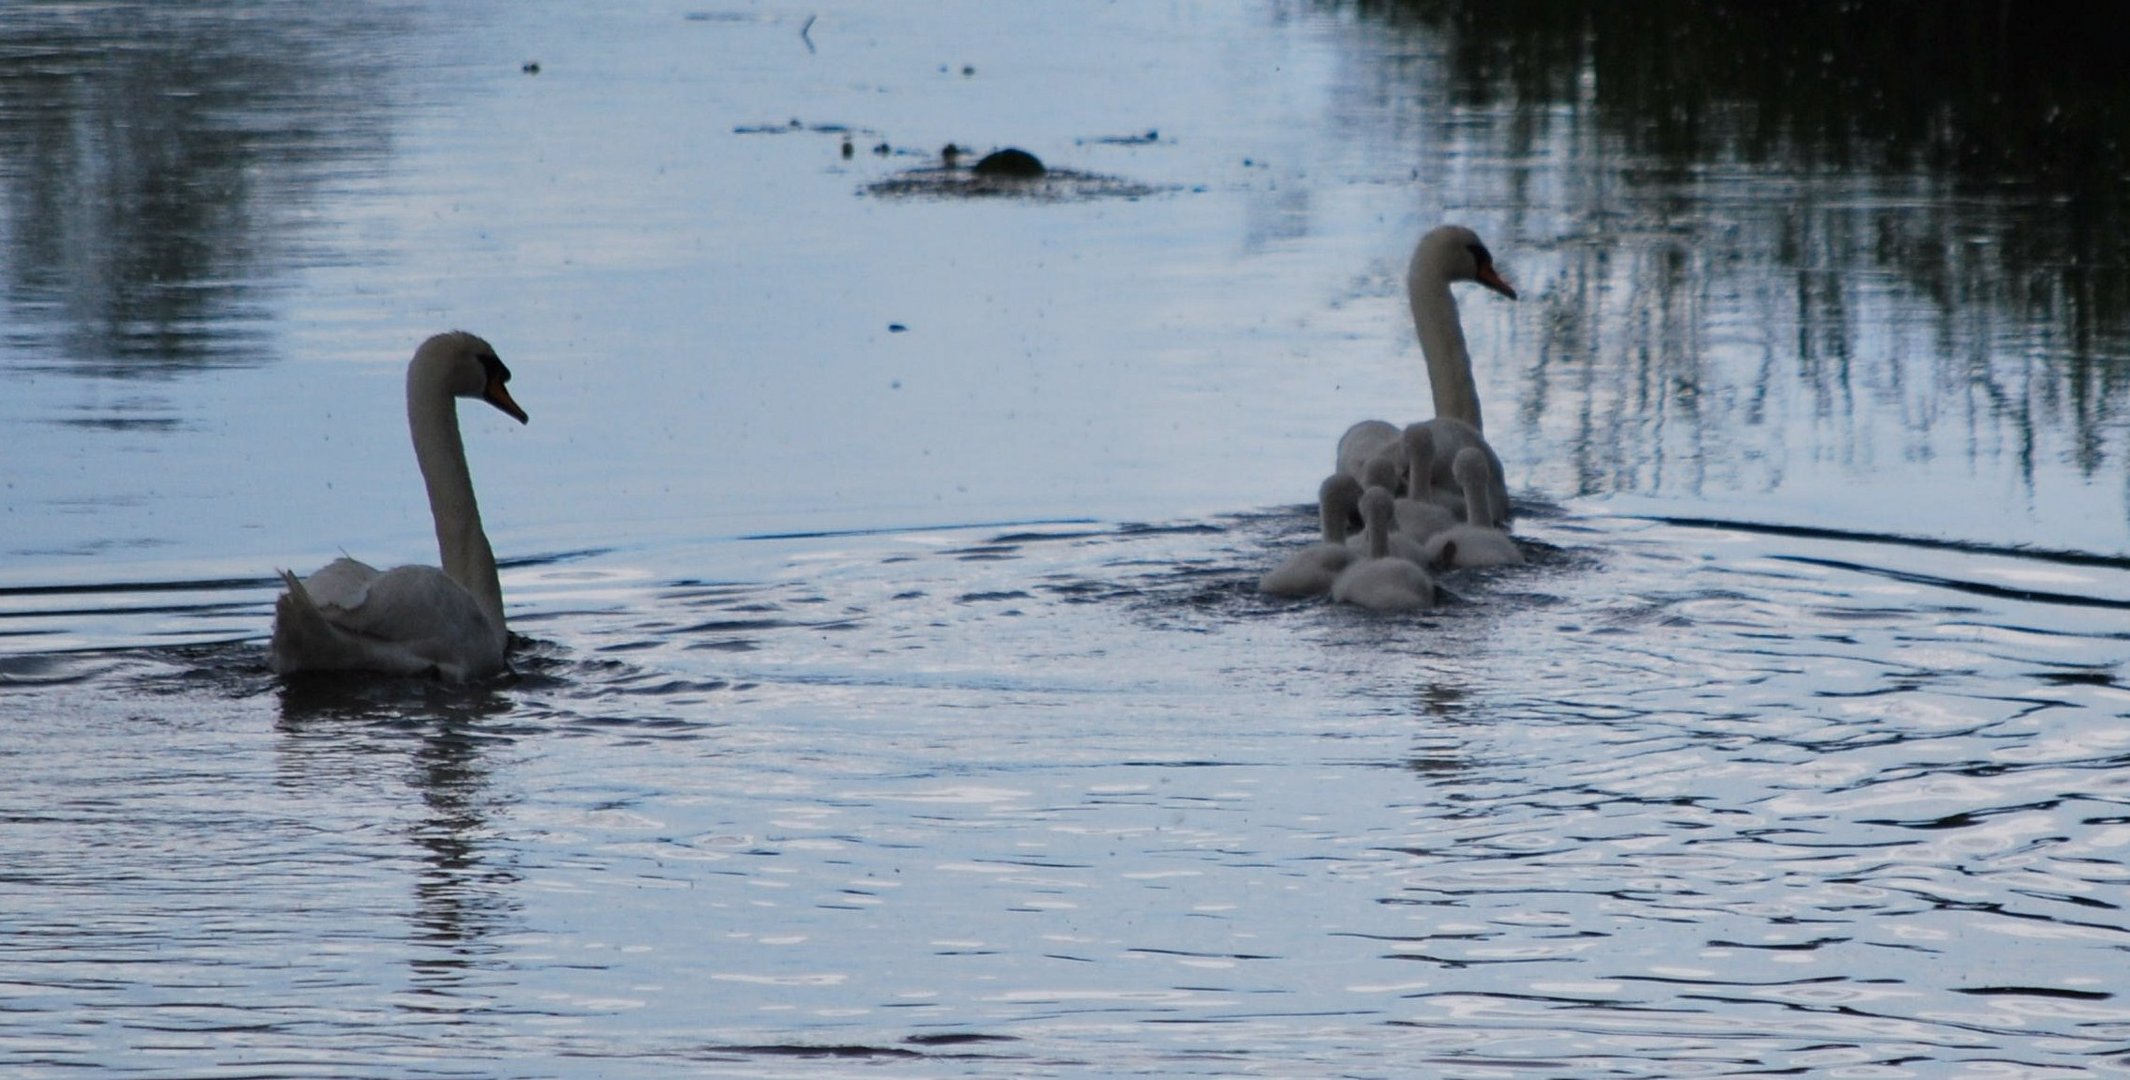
pixel 415 620
pixel 1451 438
pixel 1309 572
pixel 1364 442
pixel 1470 546
pixel 1382 582
pixel 1446 254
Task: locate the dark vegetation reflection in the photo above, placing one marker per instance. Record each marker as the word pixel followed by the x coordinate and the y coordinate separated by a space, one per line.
pixel 1920 205
pixel 152 160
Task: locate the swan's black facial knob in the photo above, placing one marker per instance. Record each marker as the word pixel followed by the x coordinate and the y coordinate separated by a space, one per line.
pixel 1484 273
pixel 492 388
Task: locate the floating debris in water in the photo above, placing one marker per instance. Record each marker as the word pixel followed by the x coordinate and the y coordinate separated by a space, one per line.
pixel 1055 185
pixel 1008 172
pixel 1151 137
pixel 797 125
pixel 530 67
pixel 1009 162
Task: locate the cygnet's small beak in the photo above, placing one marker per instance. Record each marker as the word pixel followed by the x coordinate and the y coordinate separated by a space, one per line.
pixel 497 395
pixel 1492 280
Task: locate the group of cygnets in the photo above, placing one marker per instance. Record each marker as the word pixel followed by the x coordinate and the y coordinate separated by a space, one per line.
pixel 1429 496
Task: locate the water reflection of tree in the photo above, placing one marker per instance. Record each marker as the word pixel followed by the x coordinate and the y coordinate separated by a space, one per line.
pixel 1969 156
pixel 151 155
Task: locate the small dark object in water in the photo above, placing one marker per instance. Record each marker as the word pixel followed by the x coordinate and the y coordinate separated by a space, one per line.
pixel 883 149
pixel 968 70
pixel 950 155
pixel 1152 136
pixel 1009 162
pixel 896 328
pixel 848 150
pixel 530 67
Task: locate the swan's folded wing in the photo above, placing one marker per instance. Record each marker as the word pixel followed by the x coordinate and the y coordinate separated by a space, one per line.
pixel 410 621
pixel 341 585
pixel 413 604
pixel 406 604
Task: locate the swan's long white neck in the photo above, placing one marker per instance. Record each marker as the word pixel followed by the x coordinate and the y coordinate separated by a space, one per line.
pixel 433 418
pixel 1378 529
pixel 1476 509
pixel 1475 477
pixel 1449 365
pixel 1420 467
pixel 1331 517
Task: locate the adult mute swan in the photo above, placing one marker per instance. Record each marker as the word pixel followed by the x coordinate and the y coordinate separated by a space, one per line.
pixel 1469 546
pixel 1382 582
pixel 415 620
pixel 1448 253
pixel 1309 572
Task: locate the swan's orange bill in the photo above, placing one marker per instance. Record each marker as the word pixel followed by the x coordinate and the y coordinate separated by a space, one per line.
pixel 1492 280
pixel 495 394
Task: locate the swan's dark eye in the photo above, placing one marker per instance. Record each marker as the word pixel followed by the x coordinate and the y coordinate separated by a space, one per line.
pixel 1480 255
pixel 493 367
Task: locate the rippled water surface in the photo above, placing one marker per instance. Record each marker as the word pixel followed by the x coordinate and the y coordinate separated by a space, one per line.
pixel 894 695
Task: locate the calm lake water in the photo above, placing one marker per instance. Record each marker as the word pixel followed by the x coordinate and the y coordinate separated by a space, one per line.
pixel 896 698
